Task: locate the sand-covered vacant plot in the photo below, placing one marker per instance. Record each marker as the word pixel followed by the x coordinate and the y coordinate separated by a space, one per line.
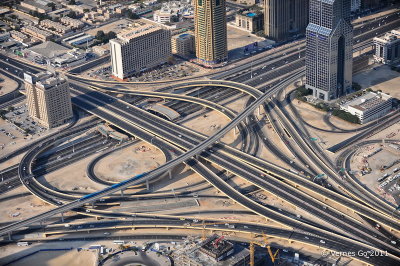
pixel 58 258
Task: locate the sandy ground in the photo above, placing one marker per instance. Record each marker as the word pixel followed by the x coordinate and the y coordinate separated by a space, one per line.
pixel 383 78
pixel 238 38
pixel 62 179
pixel 130 161
pixel 392 132
pixel 19 203
pixel 55 258
pixel 315 118
pixel 7 85
pixel 209 124
pixel 49 258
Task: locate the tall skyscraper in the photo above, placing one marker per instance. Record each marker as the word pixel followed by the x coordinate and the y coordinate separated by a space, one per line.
pixel 285 18
pixel 210 31
pixel 142 46
pixel 48 98
pixel 329 50
pixel 355 5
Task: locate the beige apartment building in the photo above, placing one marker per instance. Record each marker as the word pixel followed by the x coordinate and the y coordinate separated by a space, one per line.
pixel 55 26
pixel 36 6
pixel 48 98
pixel 19 36
pixel 210 31
pixel 74 23
pixel 183 44
pixel 37 33
pixel 250 21
pixel 142 46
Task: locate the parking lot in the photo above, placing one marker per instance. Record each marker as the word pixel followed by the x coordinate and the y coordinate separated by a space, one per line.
pixel 179 70
pixel 16 124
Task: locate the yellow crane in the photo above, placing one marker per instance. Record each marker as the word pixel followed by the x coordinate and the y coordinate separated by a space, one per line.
pixel 265 244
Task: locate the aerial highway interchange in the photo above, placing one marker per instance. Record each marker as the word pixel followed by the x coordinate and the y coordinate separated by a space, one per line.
pixel 264 85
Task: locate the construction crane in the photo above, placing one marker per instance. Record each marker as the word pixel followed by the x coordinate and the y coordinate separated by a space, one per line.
pixel 272 256
pixel 265 244
pixel 216 242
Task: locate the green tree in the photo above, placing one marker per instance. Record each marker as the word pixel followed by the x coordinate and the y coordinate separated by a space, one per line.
pixel 301 92
pixel 100 35
pixel 52 5
pixel 171 60
pixel 132 15
pixel 111 35
pixel 71 2
pixel 71 14
pixel 356 86
pixel 346 116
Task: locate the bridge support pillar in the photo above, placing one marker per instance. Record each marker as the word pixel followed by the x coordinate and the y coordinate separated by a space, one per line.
pixel 62 217
pixel 247 119
pixel 259 110
pixel 9 236
pixel 170 173
pixel 236 130
pixel 122 192
pixel 147 185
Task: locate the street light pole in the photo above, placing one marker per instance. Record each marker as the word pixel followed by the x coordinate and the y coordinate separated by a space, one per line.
pixel 251 70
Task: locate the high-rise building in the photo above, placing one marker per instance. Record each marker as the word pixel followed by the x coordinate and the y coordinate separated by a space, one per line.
pixel 142 46
pixel 285 18
pixel 48 98
pixel 371 4
pixel 210 31
pixel 387 47
pixel 329 49
pixel 355 5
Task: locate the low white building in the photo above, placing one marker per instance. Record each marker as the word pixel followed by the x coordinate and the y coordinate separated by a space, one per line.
pixel 163 16
pixel 369 107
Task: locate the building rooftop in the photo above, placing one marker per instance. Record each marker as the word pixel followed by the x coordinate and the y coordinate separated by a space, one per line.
pixel 138 28
pixel 368 101
pixel 389 37
pixel 44 80
pixel 216 245
pixel 183 36
pixel 49 49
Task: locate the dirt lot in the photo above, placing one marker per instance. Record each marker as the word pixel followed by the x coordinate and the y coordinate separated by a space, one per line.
pixel 383 78
pixel 129 161
pixel 48 258
pixel 7 85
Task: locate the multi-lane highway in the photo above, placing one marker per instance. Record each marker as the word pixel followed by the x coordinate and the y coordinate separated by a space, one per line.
pixel 344 232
